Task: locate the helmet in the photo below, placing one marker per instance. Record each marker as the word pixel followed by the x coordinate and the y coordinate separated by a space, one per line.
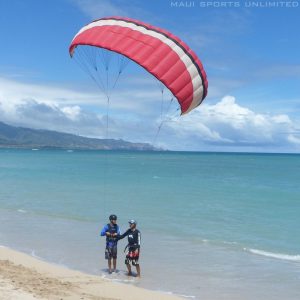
pixel 132 222
pixel 112 217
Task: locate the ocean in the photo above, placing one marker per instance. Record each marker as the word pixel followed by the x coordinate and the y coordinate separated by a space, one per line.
pixel 214 225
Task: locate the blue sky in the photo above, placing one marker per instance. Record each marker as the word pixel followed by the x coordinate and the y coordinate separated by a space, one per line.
pixel 251 56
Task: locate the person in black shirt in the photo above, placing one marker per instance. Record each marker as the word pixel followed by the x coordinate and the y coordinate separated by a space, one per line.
pixel 133 247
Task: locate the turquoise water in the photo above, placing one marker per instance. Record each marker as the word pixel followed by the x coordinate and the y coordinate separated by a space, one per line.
pixel 227 221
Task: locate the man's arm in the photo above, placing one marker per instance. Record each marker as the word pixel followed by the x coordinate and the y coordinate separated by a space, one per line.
pixel 121 236
pixel 103 231
pixel 138 242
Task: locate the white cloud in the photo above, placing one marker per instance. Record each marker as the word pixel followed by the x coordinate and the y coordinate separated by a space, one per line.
pixel 13 92
pixel 227 125
pixel 293 139
pixel 135 116
pixel 62 109
pixel 72 112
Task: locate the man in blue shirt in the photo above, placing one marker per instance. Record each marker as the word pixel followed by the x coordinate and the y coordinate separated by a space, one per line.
pixel 111 231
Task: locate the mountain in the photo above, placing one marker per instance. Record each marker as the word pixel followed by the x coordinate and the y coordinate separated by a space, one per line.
pixel 20 137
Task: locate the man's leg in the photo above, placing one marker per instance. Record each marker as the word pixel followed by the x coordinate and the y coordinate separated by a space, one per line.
pixel 115 264
pixel 138 270
pixel 108 257
pixel 129 269
pixel 109 265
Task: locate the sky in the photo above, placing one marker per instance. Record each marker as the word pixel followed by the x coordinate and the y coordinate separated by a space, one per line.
pixel 249 49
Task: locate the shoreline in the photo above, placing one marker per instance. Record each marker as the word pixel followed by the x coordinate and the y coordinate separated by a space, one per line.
pixel 25 277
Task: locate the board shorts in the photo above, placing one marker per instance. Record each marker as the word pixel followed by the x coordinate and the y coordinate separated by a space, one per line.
pixel 111 252
pixel 132 257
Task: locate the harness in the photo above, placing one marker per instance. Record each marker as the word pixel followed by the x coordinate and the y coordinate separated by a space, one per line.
pixel 111 241
pixel 130 247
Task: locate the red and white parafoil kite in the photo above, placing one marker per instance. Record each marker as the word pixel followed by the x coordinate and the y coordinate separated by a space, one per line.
pixel 161 53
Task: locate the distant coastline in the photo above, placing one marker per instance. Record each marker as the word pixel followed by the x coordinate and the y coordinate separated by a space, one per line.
pixel 12 137
pixel 27 138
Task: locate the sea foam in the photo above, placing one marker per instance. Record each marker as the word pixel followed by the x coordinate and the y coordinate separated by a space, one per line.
pixel 281 256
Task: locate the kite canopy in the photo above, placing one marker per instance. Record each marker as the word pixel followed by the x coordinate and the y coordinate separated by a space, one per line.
pixel 161 53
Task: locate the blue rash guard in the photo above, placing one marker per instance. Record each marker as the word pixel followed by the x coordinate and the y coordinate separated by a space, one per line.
pixel 111 241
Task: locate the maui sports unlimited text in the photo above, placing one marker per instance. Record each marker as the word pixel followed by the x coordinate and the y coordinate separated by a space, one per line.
pixel 234 4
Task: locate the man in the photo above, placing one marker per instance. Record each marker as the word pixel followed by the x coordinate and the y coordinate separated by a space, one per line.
pixel 111 231
pixel 133 247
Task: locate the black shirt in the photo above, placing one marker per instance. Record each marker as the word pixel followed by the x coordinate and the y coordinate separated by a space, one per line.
pixel 134 238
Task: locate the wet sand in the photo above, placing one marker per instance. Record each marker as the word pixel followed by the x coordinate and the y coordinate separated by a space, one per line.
pixel 23 277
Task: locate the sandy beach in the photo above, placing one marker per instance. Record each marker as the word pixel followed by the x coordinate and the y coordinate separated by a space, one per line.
pixel 25 277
